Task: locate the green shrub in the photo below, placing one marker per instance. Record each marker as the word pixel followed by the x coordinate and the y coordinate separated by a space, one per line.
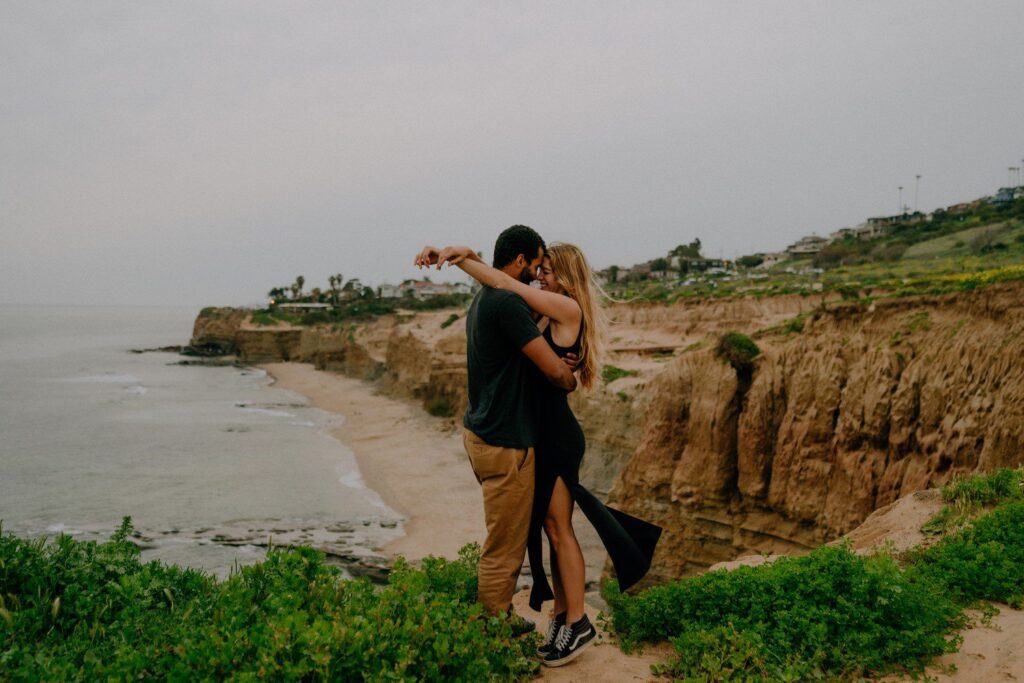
pixel 85 611
pixel 439 406
pixel 831 613
pixel 739 349
pixel 983 561
pixel 451 319
pixel 610 373
pixel 264 317
pixel 985 489
pixel 794 325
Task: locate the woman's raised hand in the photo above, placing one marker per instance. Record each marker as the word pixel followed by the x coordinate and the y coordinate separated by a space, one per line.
pixel 454 255
pixel 426 257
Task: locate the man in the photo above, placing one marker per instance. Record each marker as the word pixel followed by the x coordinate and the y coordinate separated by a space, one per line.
pixel 502 342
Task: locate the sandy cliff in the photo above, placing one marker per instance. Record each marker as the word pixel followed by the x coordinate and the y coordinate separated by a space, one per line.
pixel 867 403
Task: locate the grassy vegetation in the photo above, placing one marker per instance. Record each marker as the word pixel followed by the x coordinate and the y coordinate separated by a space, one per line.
pixel 739 349
pixel 449 321
pixel 358 309
pixel 439 406
pixel 610 373
pixel 85 611
pixel 967 496
pixel 833 614
pixel 982 561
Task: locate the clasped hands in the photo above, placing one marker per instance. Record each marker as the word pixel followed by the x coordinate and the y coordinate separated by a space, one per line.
pixel 432 256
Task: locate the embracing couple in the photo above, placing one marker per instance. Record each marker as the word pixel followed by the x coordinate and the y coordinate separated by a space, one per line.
pixel 527 349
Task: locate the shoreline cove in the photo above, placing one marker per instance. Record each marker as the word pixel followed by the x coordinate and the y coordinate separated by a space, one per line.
pixel 412 461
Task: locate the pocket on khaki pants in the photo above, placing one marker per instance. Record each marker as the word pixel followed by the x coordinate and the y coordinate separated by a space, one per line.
pixel 493 461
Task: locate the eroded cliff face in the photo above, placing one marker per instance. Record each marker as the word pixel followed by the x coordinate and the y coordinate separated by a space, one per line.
pixel 867 404
pixel 412 355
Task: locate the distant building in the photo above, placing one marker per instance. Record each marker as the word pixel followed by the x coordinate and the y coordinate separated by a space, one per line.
pixel 874 227
pixel 691 264
pixel 807 246
pixel 421 289
pixel 1007 194
pixel 964 207
pixel 842 234
pixel 387 291
pixel 304 307
pixel 772 258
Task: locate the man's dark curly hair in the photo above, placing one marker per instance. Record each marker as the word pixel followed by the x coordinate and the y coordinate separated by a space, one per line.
pixel 519 239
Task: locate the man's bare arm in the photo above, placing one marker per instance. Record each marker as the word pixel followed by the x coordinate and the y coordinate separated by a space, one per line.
pixel 557 372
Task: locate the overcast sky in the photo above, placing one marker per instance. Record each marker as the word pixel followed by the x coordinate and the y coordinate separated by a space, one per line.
pixel 202 152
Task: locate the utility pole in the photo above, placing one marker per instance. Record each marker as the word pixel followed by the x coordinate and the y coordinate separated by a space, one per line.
pixel 917 182
pixel 899 203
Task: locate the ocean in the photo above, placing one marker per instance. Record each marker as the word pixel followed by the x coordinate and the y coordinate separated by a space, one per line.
pixel 211 463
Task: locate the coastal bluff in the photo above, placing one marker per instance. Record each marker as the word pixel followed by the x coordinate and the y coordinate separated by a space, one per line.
pixel 849 406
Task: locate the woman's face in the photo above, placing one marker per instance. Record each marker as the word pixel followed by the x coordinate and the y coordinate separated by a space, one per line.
pixel 548 279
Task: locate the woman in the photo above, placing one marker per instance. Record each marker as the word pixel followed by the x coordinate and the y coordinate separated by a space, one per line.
pixel 573 324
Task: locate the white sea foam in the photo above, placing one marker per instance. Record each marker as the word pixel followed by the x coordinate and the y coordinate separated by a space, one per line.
pixel 353 480
pixel 137 389
pixel 304 423
pixel 107 378
pixel 266 411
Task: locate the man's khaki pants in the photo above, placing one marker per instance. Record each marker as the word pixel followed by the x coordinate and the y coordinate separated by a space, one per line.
pixel 506 477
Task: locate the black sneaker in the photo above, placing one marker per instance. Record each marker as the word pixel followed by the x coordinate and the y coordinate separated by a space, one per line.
pixel 554 626
pixel 570 642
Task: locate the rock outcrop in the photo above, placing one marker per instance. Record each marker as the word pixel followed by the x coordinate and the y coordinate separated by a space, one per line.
pixel 868 403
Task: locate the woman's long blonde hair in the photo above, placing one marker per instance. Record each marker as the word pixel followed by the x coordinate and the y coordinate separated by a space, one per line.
pixel 577 279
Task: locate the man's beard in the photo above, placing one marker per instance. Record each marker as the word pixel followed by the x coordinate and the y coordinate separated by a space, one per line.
pixel 526 276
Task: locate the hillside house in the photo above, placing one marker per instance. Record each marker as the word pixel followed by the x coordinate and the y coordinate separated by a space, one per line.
pixel 304 306
pixel 690 264
pixel 386 291
pixel 1007 194
pixel 772 258
pixel 874 227
pixel 421 289
pixel 807 246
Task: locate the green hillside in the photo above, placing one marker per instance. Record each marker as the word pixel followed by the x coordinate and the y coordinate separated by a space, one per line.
pixel 939 253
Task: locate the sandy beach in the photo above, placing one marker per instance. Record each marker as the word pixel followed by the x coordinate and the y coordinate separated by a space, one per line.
pixel 414 461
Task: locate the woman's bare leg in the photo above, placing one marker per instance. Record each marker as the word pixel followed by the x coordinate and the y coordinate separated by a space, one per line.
pixel 571 570
pixel 556 583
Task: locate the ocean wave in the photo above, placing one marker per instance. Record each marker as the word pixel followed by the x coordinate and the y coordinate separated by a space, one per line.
pixel 265 411
pixel 353 480
pixel 108 378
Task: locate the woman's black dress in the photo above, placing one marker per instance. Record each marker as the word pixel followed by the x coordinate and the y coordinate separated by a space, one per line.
pixel 559 449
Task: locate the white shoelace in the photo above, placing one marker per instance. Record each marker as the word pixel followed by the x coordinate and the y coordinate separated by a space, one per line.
pixel 563 638
pixel 553 629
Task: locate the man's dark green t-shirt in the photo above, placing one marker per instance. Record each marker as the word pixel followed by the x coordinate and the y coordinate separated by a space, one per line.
pixel 498 326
